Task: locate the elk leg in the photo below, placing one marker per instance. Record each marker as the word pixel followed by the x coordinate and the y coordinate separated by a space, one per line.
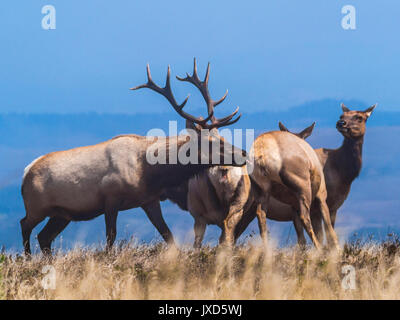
pixel 199 230
pixel 111 227
pixel 333 217
pixel 27 226
pixel 236 210
pixel 330 233
pixel 302 188
pixel 153 212
pixel 50 231
pixel 262 222
pixel 298 226
pixel 304 205
pixel 247 218
pixel 316 221
pixel 222 236
pixel 230 223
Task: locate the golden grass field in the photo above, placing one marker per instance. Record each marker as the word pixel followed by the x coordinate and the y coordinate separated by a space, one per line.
pixel 153 271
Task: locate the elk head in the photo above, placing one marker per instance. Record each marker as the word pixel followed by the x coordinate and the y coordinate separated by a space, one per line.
pixel 352 123
pixel 303 134
pixel 205 129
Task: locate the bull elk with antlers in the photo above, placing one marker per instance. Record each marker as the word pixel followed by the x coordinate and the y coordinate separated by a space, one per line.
pixel 83 183
pixel 218 195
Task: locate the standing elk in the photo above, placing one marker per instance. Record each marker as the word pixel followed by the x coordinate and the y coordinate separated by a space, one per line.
pixel 278 211
pixel 341 167
pixel 287 168
pixel 83 183
pixel 218 195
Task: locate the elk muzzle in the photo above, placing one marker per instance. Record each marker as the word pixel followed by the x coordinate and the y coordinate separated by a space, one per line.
pixel 340 124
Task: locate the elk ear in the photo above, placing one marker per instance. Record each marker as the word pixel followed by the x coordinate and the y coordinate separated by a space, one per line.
pixel 307 132
pixel 282 127
pixel 344 108
pixel 370 109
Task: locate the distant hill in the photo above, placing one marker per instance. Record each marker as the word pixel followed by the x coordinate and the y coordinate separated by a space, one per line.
pixel 36 130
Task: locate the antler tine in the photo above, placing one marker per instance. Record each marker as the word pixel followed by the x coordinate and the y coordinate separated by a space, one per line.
pixel 227 118
pixel 149 84
pixel 195 75
pixel 207 76
pixel 222 99
pixel 224 123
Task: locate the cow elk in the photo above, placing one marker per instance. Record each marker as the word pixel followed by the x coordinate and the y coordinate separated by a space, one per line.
pixel 341 167
pixel 83 183
pixel 286 168
pixel 277 210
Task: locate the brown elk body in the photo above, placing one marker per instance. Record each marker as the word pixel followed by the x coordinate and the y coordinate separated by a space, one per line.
pixel 287 168
pixel 83 183
pixel 341 167
pixel 218 195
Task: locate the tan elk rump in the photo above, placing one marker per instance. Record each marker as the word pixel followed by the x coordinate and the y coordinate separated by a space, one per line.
pixel 287 169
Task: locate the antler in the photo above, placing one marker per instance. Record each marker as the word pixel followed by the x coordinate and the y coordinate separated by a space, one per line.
pixel 167 93
pixel 211 104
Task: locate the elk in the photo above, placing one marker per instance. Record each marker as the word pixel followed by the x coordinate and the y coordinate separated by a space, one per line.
pixel 277 210
pixel 287 169
pixel 341 167
pixel 218 195
pixel 83 183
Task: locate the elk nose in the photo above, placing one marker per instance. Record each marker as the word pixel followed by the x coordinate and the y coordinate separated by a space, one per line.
pixel 340 123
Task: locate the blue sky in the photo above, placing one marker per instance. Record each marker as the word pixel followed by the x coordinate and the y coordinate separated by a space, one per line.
pixel 273 56
pixel 269 54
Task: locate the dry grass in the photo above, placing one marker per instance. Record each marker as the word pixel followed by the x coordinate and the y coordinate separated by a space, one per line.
pixel 155 272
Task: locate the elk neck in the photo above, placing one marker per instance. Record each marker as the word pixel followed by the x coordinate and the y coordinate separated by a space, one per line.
pixel 349 158
pixel 173 173
pixel 177 195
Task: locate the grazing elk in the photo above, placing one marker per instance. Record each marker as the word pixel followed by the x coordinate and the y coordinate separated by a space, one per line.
pixel 287 168
pixel 341 168
pixel 83 183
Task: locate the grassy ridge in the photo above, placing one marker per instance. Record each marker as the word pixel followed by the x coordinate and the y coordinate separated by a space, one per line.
pixel 153 271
